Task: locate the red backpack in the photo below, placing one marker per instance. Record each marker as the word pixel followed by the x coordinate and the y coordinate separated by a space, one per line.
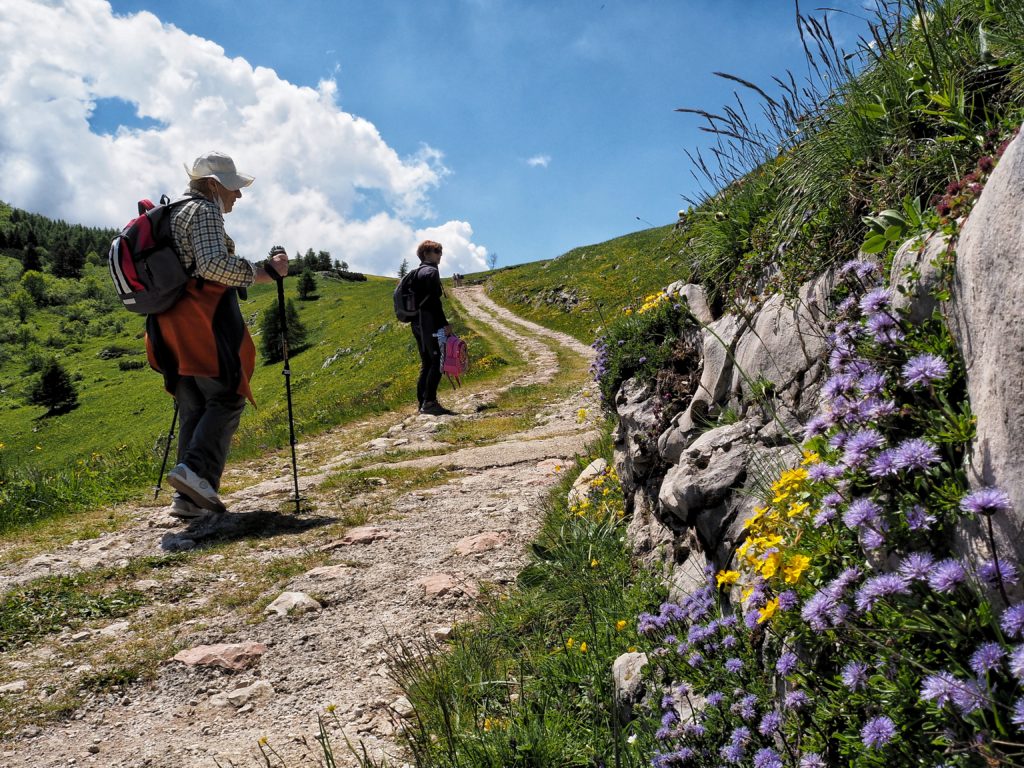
pixel 456 359
pixel 147 274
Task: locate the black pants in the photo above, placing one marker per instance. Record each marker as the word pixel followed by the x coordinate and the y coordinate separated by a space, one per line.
pixel 430 366
pixel 208 412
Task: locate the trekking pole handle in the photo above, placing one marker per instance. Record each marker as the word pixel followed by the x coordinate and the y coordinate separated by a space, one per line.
pixel 277 276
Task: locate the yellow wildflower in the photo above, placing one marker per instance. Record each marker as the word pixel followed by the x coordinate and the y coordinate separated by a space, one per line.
pixel 631 649
pixel 620 625
pixel 581 415
pixel 810 457
pixel 768 611
pixel 583 647
pixel 594 563
pixel 795 568
pixel 796 508
pixel 770 564
pixel 727 577
pixel 570 643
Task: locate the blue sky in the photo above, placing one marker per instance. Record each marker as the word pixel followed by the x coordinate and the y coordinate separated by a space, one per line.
pixel 520 128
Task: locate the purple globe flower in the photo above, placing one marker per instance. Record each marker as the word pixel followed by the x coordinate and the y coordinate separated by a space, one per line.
pixel 884 464
pixel 997 573
pixel 855 675
pixel 915 454
pixel 924 369
pixel 767 758
pixel 1017 662
pixel 871 539
pixel 916 566
pixel 812 760
pixel 1012 621
pixel 939 688
pixel 987 658
pixel 788 600
pixel 947 576
pixel 715 698
pixel 872 383
pixel 734 666
pixel 747 707
pixel 877 732
pixel 770 723
pixel 695 659
pixel 786 664
pixel 817 609
pixel 729 641
pixel 824 517
pixel 918 518
pixel 986 501
pixel 860 444
pixel 861 512
pixel 796 700
pixel 1017 714
pixel 875 301
pixel 969 697
pixel 878 587
pixel 816 426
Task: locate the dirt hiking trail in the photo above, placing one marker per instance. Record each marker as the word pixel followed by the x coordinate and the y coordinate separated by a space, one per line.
pixel 400 534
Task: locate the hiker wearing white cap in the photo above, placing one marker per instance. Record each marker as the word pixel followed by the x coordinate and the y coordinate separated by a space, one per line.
pixel 201 345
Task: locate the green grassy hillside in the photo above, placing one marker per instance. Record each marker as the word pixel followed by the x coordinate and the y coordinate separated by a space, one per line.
pixel 584 289
pixel 358 360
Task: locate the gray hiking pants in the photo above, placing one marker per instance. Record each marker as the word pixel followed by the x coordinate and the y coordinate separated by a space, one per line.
pixel 208 415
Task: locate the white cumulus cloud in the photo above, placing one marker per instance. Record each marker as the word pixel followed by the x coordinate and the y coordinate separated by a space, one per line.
pixel 539 161
pixel 316 166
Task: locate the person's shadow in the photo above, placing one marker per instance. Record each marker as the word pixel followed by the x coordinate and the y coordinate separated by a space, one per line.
pixel 235 526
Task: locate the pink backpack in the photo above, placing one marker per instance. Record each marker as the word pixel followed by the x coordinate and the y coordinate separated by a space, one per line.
pixel 456 359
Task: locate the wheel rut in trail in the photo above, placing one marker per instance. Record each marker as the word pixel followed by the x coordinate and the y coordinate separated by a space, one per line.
pixel 423 558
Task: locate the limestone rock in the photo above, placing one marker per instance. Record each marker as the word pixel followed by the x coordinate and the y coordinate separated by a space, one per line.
pixel 329 572
pixel 481 542
pixel 627 672
pixel 635 446
pixel 261 690
pixel 18 686
pixel 230 656
pixel 695 297
pixel 581 486
pixel 364 534
pixel 442 584
pixel 987 321
pixel 914 277
pixel 293 602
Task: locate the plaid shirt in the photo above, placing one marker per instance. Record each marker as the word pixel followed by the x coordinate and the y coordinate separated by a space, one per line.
pixel 198 231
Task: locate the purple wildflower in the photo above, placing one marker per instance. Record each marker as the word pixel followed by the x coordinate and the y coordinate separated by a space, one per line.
pixel 916 566
pixel 877 732
pixel 859 444
pixel 916 454
pixel 855 675
pixel 846 578
pixel 872 383
pixel 884 464
pixel 939 688
pixel 729 641
pixel 819 472
pixel 747 707
pixel 838 440
pixel 875 301
pixel 812 760
pixel 816 426
pixel 796 700
pixel 924 369
pixel 986 501
pixel 947 575
pixel 816 611
pixel 824 517
pixel 871 539
pixel 788 600
pixel 786 664
pixel 876 409
pixel 752 619
pixel 1017 714
pixel 833 499
pixel 1012 621
pixel 693 730
pixel 969 697
pixel 878 587
pixel 770 723
pixel 734 666
pixel 695 659
pixel 1017 662
pixel 986 658
pixel 918 518
pixel 715 698
pixel 767 758
pixel 861 512
pixel 995 573
pixel 669 719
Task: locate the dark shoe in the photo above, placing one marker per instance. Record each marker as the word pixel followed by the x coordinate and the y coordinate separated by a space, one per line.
pixel 195 488
pixel 434 408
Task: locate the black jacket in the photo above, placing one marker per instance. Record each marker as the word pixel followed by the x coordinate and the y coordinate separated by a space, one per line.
pixel 426 284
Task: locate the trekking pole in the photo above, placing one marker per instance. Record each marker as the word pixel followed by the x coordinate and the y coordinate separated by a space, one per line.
pixel 167 450
pixel 283 321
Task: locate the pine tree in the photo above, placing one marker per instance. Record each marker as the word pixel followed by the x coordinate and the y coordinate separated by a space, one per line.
pixel 403 268
pixel 30 259
pixel 270 332
pixel 67 262
pixel 307 285
pixel 323 261
pixel 54 389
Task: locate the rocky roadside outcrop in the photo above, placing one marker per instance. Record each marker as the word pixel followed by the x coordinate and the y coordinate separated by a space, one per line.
pixel 690 486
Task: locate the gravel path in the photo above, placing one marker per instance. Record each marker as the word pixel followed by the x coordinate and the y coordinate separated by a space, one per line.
pixel 414 569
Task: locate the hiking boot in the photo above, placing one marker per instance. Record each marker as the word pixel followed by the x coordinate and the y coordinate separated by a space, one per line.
pixel 197 489
pixel 434 408
pixel 183 509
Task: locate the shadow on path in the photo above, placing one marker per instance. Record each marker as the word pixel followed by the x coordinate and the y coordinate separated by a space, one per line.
pixel 232 526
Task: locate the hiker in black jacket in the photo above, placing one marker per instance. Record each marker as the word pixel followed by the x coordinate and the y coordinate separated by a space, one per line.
pixel 431 318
